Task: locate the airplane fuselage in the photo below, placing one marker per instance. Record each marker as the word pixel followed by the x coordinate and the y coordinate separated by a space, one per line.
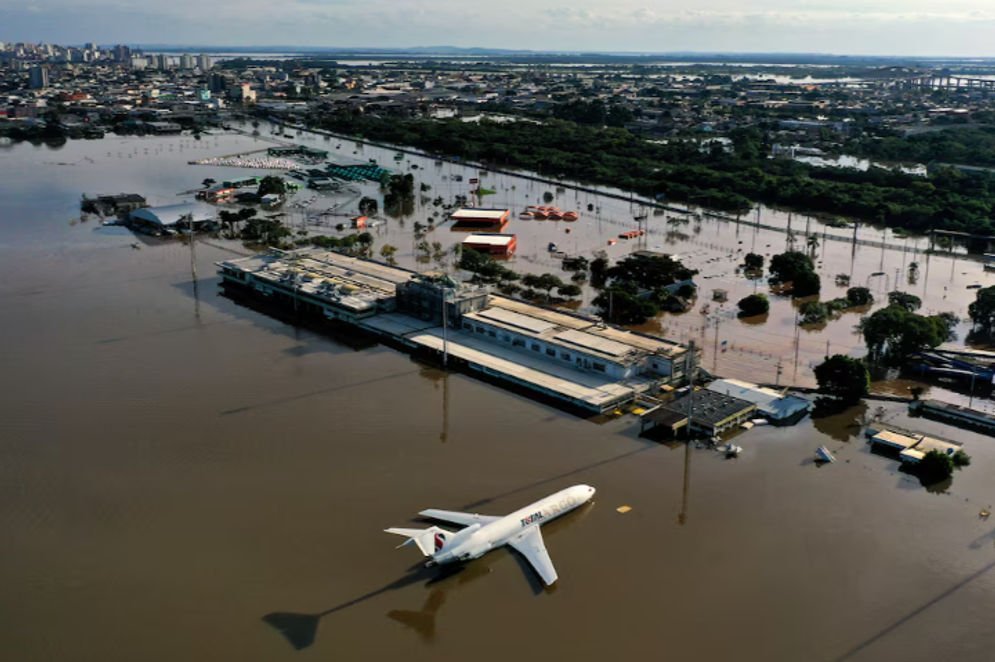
pixel 476 540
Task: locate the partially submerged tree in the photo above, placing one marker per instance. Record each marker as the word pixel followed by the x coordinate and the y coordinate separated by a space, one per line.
pixel 619 304
pixel 368 206
pixel 843 377
pixel 796 268
pixel 982 312
pixel 388 252
pixel 935 467
pixel 754 304
pixel 894 333
pixel 813 312
pixel 271 184
pixel 859 296
pixel 753 262
pixel 599 271
pixel 909 302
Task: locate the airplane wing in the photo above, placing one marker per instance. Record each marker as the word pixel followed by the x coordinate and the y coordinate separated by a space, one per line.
pixel 463 519
pixel 529 544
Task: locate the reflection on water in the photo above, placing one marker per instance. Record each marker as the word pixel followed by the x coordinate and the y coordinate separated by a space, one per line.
pixel 301 629
pixel 841 425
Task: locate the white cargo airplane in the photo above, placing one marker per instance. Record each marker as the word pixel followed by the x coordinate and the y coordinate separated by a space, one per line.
pixel 483 533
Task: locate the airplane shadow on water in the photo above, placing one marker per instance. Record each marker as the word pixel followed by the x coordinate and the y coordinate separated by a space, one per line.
pixel 300 630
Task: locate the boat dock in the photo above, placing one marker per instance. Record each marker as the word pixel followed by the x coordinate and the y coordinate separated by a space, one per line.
pixel 574 360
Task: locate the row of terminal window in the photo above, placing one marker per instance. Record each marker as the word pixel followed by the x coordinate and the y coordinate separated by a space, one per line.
pixel 536 347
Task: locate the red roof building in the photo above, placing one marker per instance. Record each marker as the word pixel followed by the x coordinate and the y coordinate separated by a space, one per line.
pixel 481 217
pixel 492 244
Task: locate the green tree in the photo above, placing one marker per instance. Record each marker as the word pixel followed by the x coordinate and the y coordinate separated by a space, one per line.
pixel 368 206
pixel 805 284
pixel 796 268
pixel 569 291
pixel 813 312
pixel 843 377
pixel 619 304
pixel 961 459
pixel 545 282
pixel 265 231
pixel 909 302
pixel 388 252
pixel 982 311
pixel 893 333
pixel 599 271
pixel 753 262
pixel 754 304
pixel 650 271
pixel 271 184
pixel 935 467
pixel 229 219
pixel 859 296
pixel 484 268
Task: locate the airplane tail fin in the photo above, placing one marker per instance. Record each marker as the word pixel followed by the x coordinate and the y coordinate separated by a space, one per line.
pixel 429 540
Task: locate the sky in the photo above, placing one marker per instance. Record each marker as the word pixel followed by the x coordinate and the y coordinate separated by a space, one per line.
pixel 959 28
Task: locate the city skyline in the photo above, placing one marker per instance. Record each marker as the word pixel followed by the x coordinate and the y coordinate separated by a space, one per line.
pixel 882 27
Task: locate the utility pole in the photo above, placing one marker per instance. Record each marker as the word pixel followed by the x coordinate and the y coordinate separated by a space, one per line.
pixel 690 370
pixel 193 269
pixel 445 331
pixel 193 255
pixel 715 350
pixel 797 341
pixel 777 378
pixel 444 435
pixel 682 517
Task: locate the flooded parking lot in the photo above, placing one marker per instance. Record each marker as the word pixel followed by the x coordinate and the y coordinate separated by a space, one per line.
pixel 184 477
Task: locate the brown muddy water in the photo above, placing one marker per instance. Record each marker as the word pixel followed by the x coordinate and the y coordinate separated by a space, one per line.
pixel 749 349
pixel 182 477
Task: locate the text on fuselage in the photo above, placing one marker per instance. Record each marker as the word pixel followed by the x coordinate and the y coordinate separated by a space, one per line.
pixel 533 518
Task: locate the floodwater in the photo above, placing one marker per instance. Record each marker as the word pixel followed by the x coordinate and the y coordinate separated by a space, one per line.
pixel 182 477
pixel 713 244
pixel 848 161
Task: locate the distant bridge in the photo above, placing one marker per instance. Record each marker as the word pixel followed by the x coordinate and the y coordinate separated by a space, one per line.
pixel 938 81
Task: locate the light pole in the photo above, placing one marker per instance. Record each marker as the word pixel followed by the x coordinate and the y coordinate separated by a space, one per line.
pixel 445 329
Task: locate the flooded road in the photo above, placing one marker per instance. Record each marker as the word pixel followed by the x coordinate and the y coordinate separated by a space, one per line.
pixel 182 477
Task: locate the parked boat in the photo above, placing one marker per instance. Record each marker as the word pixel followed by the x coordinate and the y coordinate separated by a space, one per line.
pixel 570 216
pixel 526 216
pixel 822 454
